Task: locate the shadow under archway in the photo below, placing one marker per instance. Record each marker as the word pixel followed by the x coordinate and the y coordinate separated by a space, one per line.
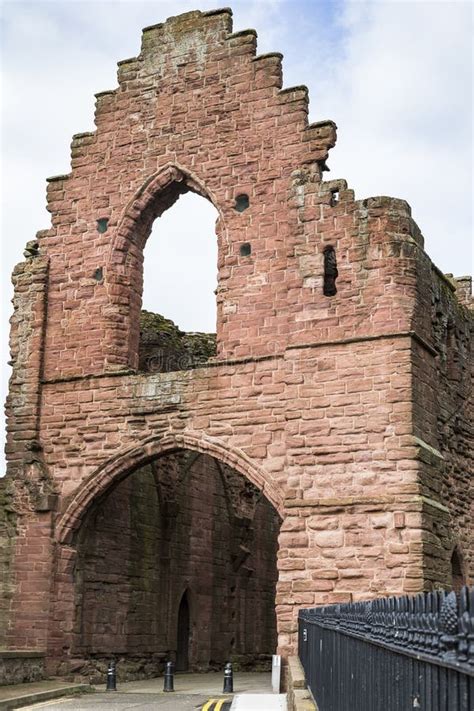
pixel 182 522
pixel 131 459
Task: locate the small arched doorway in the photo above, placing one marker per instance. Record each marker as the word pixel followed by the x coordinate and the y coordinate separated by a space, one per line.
pixel 183 634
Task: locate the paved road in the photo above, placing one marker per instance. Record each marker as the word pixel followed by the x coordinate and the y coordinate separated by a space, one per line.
pixel 252 693
pixel 125 702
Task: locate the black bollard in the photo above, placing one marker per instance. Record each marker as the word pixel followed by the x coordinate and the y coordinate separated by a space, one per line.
pixel 169 679
pixel 228 679
pixel 111 677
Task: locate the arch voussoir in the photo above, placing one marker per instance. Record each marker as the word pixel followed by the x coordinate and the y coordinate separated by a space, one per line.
pixel 130 459
pixel 147 194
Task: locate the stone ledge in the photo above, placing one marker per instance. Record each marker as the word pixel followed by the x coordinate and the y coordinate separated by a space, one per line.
pixel 58 178
pixel 303 701
pixel 16 702
pixel 424 445
pixel 21 653
pixel 299 696
pixel 223 362
pixel 296 673
pixel 357 500
pixel 434 504
pixel 406 501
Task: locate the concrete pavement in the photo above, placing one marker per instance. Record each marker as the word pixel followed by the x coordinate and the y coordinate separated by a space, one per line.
pixel 16 696
pixel 209 684
pixel 252 692
pixel 117 701
pixel 259 702
pixel 171 702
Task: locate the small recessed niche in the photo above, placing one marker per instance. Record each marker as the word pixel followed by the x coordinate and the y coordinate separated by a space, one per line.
pixel 102 224
pixel 242 202
pixel 334 197
pixel 245 249
pixel 98 274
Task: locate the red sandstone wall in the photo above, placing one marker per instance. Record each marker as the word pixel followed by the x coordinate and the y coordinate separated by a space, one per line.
pixel 28 325
pixel 442 410
pixel 197 97
pixel 329 427
pixel 337 407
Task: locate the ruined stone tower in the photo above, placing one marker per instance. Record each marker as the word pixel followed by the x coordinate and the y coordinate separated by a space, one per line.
pixel 322 453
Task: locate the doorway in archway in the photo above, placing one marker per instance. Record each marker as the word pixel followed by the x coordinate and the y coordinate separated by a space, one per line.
pixel 182 636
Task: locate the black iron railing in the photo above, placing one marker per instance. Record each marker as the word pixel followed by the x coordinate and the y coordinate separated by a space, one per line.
pixel 392 654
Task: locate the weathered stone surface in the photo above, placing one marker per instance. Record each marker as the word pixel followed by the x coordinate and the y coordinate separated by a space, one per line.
pixel 349 412
pixel 21 666
pixel 163 347
pixel 299 697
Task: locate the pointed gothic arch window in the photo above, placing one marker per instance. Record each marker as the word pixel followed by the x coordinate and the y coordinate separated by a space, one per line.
pixel 178 318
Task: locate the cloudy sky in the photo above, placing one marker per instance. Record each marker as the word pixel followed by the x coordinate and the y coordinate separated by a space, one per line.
pixel 395 76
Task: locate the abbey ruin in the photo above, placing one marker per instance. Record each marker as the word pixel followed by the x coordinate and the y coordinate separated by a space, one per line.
pixel 175 496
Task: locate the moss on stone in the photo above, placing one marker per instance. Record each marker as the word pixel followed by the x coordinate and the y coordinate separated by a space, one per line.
pixel 200 345
pixel 161 331
pixel 159 335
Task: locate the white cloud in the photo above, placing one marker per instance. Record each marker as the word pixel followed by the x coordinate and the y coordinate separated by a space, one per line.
pixel 401 95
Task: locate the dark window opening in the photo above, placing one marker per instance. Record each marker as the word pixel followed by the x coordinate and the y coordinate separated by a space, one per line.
pixel 102 224
pixel 245 249
pixel 457 576
pixel 334 197
pixel 330 272
pixel 98 274
pixel 242 202
pixel 453 369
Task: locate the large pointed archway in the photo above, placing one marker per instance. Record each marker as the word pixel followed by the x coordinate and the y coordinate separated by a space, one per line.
pixel 131 458
pixel 175 559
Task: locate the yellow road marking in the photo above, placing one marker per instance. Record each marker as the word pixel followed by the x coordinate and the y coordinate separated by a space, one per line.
pixel 208 706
